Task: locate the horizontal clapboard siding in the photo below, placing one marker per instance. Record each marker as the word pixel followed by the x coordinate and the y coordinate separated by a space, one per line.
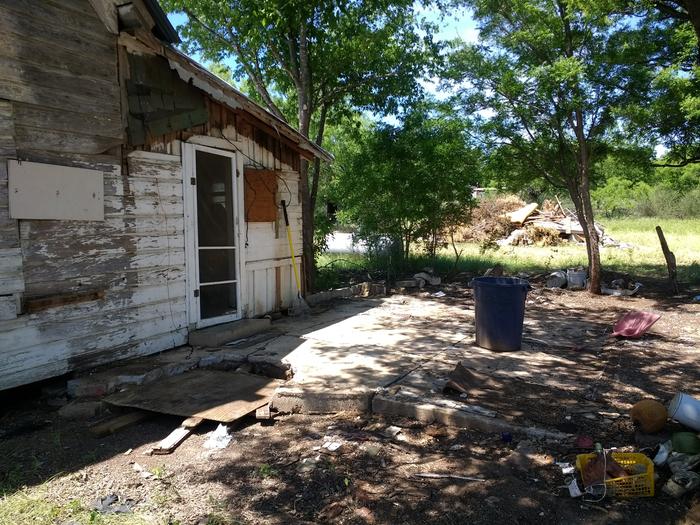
pixel 58 66
pixel 135 259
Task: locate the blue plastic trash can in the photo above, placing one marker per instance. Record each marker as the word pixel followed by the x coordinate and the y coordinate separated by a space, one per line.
pixel 499 307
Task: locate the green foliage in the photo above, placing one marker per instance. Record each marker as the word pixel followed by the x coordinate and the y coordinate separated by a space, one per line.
pixel 407 182
pixel 634 190
pixel 546 84
pixel 319 53
pixel 643 260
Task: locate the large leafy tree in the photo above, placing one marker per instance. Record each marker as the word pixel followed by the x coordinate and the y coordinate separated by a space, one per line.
pixel 670 114
pixel 409 182
pixel 546 83
pixel 319 56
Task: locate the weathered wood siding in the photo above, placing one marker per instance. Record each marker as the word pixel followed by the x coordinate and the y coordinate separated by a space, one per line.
pixel 99 291
pixel 135 259
pixel 269 279
pixel 60 104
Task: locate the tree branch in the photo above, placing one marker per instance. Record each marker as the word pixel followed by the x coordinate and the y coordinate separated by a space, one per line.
pixel 679 164
pixel 256 79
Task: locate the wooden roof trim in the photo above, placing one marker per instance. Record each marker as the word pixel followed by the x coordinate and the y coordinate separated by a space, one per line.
pixel 188 69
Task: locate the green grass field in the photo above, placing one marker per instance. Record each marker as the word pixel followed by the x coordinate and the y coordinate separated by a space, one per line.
pixel 644 259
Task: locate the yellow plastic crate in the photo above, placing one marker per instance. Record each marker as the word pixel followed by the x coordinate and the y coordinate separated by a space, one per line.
pixel 632 486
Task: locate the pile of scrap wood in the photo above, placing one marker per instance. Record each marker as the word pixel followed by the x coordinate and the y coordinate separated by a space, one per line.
pixel 547 224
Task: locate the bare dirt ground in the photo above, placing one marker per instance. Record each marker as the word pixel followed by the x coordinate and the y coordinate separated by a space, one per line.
pixel 279 473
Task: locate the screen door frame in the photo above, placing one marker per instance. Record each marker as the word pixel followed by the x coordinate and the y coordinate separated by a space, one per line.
pixel 189 164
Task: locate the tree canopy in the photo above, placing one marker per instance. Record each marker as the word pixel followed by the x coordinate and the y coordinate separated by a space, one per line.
pixel 409 181
pixel 322 56
pixel 546 84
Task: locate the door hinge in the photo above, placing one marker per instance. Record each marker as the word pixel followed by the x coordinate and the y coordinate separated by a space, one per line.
pixel 196 293
pixel 193 181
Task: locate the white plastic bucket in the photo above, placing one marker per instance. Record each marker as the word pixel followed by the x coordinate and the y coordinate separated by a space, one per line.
pixel 686 410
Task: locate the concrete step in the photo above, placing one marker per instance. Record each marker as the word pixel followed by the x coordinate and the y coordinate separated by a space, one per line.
pixel 224 333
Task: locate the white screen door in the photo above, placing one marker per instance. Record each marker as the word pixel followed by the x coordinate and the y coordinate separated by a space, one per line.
pixel 213 199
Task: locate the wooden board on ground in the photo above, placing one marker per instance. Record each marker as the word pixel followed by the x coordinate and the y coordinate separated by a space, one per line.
pixel 206 394
pixel 114 424
pixel 171 441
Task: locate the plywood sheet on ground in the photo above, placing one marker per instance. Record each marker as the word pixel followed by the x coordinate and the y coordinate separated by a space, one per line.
pixel 207 394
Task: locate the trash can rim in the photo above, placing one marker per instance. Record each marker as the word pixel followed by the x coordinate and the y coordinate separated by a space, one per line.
pixel 500 281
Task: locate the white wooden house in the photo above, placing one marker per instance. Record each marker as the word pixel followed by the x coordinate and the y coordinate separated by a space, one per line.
pixel 139 193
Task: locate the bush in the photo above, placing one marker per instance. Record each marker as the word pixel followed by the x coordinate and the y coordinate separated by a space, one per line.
pixel 689 204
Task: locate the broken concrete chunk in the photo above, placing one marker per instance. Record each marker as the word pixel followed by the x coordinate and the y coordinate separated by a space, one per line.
pixel 81 409
pixel 432 280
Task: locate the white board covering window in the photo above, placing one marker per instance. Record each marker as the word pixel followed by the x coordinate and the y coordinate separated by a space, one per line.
pixel 47 191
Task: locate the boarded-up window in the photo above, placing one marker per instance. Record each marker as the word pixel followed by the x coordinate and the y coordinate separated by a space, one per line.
pixel 260 195
pixel 45 191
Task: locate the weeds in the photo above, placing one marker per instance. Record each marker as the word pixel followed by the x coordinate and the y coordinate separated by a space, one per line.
pixel 266 471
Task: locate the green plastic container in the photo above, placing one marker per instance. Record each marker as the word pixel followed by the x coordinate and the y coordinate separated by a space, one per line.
pixel 686 443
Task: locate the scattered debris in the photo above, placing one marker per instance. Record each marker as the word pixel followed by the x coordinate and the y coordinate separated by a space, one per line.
pixel 111 504
pixel 81 409
pixel 566 468
pixel 263 413
pixel 686 410
pixel 331 445
pixel 192 422
pixel 576 278
pixel 574 490
pixel 634 324
pixel 650 415
pixel 392 431
pixel 218 439
pixel 681 483
pixel 621 292
pixel 548 225
pixel 308 464
pixel 679 462
pixel 424 277
pixel 622 474
pixel 685 443
pixel 438 294
pixel 435 475
pixel 489 220
pixel 556 279
pixel 664 452
pixel 142 471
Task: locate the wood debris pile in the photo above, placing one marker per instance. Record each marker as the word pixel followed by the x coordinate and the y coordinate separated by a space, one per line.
pixel 547 225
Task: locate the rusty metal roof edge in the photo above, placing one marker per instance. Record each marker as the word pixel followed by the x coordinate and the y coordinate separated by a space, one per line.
pixel 223 92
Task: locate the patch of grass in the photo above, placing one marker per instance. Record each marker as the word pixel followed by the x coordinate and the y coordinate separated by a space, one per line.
pixel 266 471
pixel 31 506
pixel 159 471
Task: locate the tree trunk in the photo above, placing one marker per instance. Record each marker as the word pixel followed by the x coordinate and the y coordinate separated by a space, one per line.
pixel 592 240
pixel 693 9
pixel 307 229
pixel 581 197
